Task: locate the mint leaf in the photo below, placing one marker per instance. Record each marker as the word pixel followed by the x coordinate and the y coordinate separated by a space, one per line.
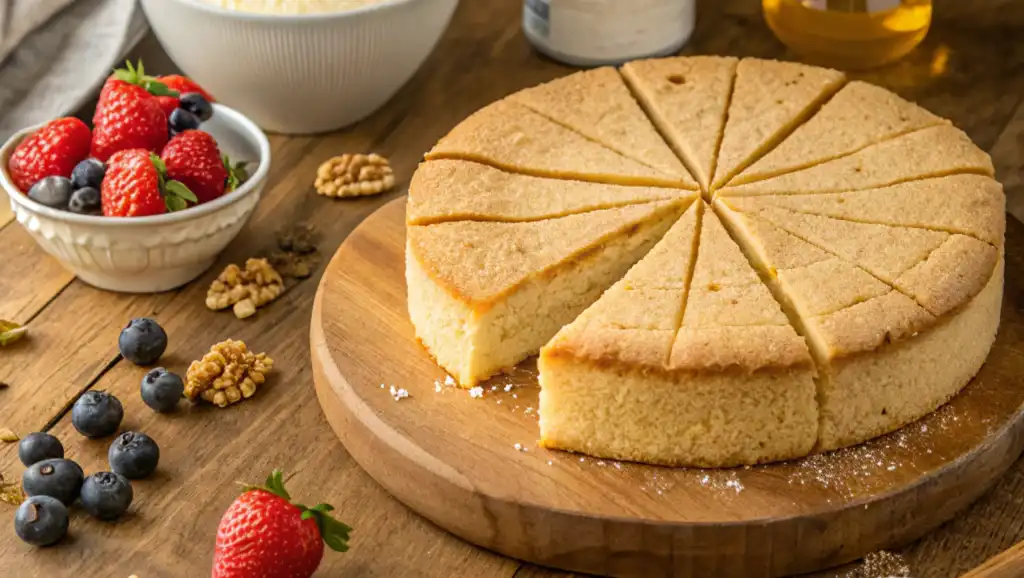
pixel 175 204
pixel 178 189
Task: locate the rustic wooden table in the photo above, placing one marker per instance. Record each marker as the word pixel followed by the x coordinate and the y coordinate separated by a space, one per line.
pixel 970 69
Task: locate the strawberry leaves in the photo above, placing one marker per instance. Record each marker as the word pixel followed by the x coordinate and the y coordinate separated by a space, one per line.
pixel 333 532
pixel 237 173
pixel 137 76
pixel 176 195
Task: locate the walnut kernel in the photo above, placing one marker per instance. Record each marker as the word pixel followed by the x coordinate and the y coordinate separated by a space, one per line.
pixel 245 289
pixel 227 374
pixel 351 175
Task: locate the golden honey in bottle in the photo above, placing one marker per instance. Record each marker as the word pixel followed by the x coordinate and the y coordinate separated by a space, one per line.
pixel 849 34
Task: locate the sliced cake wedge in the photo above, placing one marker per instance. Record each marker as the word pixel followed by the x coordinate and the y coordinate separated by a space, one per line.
pixel 513 137
pixel 483 296
pixel 931 152
pixel 686 361
pixel 597 104
pixel 859 115
pixel 454 190
pixel 973 205
pixel 940 271
pixel 876 348
pixel 687 98
pixel 769 101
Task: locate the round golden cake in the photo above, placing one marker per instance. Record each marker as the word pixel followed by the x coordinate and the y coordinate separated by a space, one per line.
pixel 720 261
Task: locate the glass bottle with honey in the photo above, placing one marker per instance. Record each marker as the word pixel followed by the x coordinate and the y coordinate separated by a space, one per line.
pixel 849 34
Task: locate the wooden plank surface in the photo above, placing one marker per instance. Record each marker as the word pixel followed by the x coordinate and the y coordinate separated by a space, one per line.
pixel 969 69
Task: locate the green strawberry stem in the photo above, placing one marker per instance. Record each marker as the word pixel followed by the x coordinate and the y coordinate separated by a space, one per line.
pixel 334 533
pixel 237 173
pixel 176 195
pixel 137 75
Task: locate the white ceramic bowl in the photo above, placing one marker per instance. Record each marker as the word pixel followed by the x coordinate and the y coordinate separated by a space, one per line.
pixel 304 73
pixel 157 253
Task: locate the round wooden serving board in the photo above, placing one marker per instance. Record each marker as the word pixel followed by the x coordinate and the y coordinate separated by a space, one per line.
pixel 472 466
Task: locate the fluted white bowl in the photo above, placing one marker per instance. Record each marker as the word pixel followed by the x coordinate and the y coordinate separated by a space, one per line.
pixel 155 253
pixel 301 73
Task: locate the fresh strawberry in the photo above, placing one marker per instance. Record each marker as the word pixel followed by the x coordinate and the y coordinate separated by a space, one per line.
pixel 128 116
pixel 167 104
pixel 136 185
pixel 264 535
pixel 183 84
pixel 193 158
pixel 53 150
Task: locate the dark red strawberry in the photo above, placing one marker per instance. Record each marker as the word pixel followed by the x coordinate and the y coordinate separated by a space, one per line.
pixel 135 185
pixel 167 104
pixel 193 158
pixel 183 84
pixel 264 535
pixel 53 150
pixel 128 116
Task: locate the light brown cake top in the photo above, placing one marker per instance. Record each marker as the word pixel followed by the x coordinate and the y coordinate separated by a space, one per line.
pixel 515 138
pixel 859 115
pixel 973 205
pixel 931 152
pixel 450 190
pixel 687 97
pixel 479 262
pixel 842 308
pixel 940 270
pixel 597 104
pixel 769 100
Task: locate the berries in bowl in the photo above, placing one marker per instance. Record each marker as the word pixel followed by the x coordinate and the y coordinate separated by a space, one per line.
pixel 145 198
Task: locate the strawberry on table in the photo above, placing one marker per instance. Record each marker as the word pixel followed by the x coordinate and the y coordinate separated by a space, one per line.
pixel 194 159
pixel 264 535
pixel 136 185
pixel 128 116
pixel 183 84
pixel 53 150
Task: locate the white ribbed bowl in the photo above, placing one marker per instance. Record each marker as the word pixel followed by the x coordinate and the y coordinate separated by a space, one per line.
pixel 157 253
pixel 301 74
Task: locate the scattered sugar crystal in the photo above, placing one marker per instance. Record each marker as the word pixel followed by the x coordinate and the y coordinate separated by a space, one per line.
pixel 617 465
pixel 519 447
pixel 581 460
pixel 476 392
pixel 382 386
pixel 437 386
pixel 515 396
pixel 891 468
pixel 528 410
pixel 734 484
pixel 549 462
pixel 449 381
pixel 508 387
pixel 600 462
pixel 398 393
pixel 494 388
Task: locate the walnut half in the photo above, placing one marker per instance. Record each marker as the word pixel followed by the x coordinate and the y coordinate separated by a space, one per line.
pixel 353 175
pixel 227 374
pixel 245 289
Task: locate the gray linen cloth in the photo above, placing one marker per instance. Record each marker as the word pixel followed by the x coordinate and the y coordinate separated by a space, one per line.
pixel 54 54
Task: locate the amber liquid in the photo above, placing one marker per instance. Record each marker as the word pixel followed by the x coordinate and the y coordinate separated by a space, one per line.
pixel 847 34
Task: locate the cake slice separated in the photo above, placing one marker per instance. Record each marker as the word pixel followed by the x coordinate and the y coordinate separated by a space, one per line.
pixel 686 361
pixel 597 104
pixel 939 270
pixel 512 137
pixel 875 346
pixel 453 190
pixel 926 153
pixel 769 100
pixel 859 115
pixel 483 296
pixel 972 205
pixel 687 98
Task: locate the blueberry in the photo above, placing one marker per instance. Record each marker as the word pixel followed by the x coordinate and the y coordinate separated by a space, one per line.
pixel 134 455
pixel 88 173
pixel 41 521
pixel 182 120
pixel 85 201
pixel 196 104
pixel 142 341
pixel 52 192
pixel 39 446
pixel 162 389
pixel 106 495
pixel 96 414
pixel 57 478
